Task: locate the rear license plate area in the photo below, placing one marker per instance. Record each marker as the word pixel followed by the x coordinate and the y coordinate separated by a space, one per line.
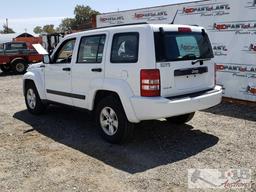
pixel 190 71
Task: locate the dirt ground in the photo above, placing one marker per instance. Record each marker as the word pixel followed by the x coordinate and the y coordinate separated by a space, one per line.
pixel 62 151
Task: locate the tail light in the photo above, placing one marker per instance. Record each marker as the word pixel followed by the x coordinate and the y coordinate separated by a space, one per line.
pixel 184 29
pixel 150 82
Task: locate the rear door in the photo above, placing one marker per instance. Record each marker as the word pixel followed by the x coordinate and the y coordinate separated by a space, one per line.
pixel 184 61
pixel 88 69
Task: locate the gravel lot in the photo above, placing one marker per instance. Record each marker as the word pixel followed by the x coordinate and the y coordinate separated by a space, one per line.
pixel 61 150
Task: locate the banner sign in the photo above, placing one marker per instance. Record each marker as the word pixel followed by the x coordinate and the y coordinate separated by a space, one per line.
pixel 231 26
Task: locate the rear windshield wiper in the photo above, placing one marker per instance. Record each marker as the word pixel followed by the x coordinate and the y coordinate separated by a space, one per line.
pixel 200 60
pixel 189 56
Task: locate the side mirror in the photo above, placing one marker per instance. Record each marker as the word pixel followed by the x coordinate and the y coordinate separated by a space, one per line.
pixel 46 59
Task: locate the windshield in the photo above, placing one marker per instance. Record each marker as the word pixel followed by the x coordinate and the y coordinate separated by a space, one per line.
pixel 176 46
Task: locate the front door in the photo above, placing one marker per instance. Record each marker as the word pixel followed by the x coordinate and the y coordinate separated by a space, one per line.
pixel 58 74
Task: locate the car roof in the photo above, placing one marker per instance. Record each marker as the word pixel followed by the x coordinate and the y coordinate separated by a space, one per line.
pixel 154 27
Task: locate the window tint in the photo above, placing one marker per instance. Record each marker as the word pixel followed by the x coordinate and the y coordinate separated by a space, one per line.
pixel 125 48
pixel 65 52
pixel 188 45
pixel 174 46
pixel 91 49
pixel 16 46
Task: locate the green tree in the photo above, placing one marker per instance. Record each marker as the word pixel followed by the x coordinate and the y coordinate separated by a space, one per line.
pixel 82 20
pixel 38 30
pixel 7 30
pixel 49 28
pixel 67 25
pixel 83 14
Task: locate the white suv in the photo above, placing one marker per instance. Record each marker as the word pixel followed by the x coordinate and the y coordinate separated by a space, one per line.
pixel 128 74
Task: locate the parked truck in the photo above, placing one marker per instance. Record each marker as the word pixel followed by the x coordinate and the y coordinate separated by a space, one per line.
pixel 16 56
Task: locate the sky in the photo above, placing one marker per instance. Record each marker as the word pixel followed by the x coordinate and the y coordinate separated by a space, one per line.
pixel 25 15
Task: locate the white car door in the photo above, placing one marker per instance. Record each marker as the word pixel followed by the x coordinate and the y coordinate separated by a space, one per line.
pixel 58 74
pixel 88 70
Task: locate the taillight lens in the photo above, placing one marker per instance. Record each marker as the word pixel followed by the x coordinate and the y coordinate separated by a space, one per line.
pixel 184 29
pixel 150 82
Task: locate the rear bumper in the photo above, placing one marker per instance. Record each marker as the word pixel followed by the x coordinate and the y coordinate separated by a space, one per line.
pixel 159 107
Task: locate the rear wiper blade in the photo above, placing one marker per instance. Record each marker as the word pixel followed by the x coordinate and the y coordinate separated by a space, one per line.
pixel 200 60
pixel 189 56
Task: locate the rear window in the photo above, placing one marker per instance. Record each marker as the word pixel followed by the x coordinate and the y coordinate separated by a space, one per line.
pixel 174 46
pixel 16 46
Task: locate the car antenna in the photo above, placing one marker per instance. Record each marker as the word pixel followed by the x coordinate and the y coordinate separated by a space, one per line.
pixel 174 17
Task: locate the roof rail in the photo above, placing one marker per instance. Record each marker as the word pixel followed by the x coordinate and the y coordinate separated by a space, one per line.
pixel 92 29
pixel 141 23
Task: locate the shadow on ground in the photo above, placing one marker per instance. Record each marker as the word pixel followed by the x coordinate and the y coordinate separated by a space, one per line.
pixel 239 111
pixel 2 74
pixel 155 143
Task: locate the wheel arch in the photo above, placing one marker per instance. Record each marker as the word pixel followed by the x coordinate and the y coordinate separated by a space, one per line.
pixel 118 89
pixel 102 94
pixel 38 82
pixel 19 59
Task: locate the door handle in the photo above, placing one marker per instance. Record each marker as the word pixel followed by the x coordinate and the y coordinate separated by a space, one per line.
pixel 66 69
pixel 96 70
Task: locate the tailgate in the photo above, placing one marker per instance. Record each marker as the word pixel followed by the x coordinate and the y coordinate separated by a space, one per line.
pixel 184 61
pixel 179 78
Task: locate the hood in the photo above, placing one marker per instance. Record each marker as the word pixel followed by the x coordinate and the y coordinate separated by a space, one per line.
pixel 34 66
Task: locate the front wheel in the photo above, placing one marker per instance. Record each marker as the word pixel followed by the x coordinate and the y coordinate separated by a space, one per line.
pixel 112 121
pixel 33 101
pixel 182 119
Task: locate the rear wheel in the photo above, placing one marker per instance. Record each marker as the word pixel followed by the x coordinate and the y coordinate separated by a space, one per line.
pixel 5 68
pixel 19 66
pixel 33 101
pixel 181 119
pixel 112 121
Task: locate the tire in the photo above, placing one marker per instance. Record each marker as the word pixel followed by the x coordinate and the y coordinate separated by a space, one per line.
pixel 19 66
pixel 182 119
pixel 112 122
pixel 33 101
pixel 5 68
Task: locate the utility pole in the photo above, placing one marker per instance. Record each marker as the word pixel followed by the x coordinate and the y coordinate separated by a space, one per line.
pixel 7 27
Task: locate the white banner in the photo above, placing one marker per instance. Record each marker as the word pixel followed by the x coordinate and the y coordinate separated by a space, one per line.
pixel 231 25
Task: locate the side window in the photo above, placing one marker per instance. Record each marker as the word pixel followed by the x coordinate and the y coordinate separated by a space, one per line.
pixel 16 46
pixel 125 47
pixel 91 49
pixel 65 52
